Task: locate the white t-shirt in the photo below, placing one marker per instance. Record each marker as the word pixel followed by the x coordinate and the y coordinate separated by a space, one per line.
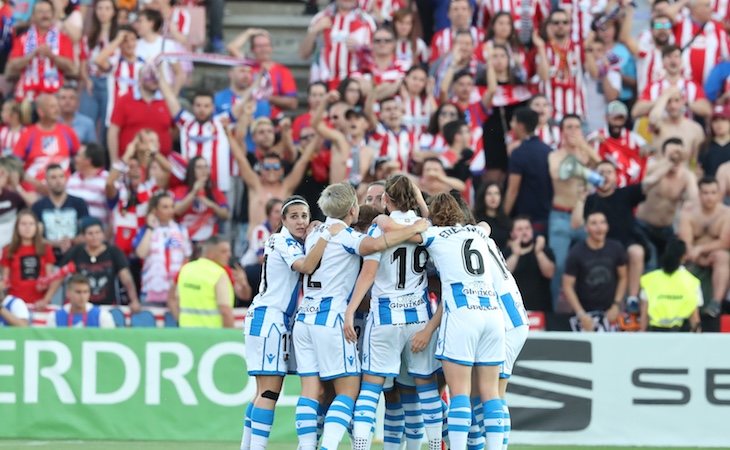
pixel 596 114
pixel 17 307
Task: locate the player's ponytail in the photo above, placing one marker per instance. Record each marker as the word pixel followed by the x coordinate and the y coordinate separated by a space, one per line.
pixel 444 211
pixel 401 192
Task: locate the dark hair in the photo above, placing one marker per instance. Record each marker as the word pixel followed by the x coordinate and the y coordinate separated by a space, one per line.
pixel 433 123
pixel 298 200
pixel 271 155
pixel 95 29
pixel 451 129
pixel 128 29
pixel 669 49
pixel 203 93
pixel 48 2
pixel 270 205
pixel 401 191
pixel 672 257
pixel 464 32
pixel 594 212
pixel 557 11
pixel 520 217
pixel 707 179
pixel 527 117
pixel 660 16
pixel 412 37
pixel 513 39
pixel 39 244
pixel 672 141
pixel 78 278
pixel 54 166
pixel 153 16
pixel 511 74
pixel 190 177
pixel 480 207
pixel 88 222
pixel 434 159
pixel 156 198
pixel 444 210
pixel 96 154
pixel 569 117
pixel 317 83
pixel 461 74
pixel 413 68
pixel 365 217
pixel 342 89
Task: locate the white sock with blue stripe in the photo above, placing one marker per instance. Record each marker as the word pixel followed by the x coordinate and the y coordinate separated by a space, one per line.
pixel 364 415
pixel 306 423
pixel 507 425
pixel 321 412
pixel 414 421
pixel 246 437
pixel 445 424
pixel 428 394
pixel 476 431
pixel 393 426
pixel 494 422
pixel 459 422
pixel 337 421
pixel 261 421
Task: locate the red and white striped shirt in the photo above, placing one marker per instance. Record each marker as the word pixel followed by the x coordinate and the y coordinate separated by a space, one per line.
pixel 432 143
pixel 624 152
pixel 549 134
pixel 721 10
pixel 336 61
pixel 385 7
pixel 93 191
pixel 404 51
pixel 180 21
pixel 443 41
pixel 649 67
pixel 395 145
pixel 209 140
pixel 706 50
pixel 417 113
pixel 565 88
pixel 489 8
pixel 582 13
pixel 8 139
pixel 691 91
pixel 391 74
pixel 126 220
pixel 510 94
pixel 122 79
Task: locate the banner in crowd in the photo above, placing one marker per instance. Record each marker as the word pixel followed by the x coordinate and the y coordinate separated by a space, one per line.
pixel 176 384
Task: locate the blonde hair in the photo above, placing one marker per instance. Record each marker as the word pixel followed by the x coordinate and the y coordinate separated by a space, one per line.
pixel 337 200
pixel 260 121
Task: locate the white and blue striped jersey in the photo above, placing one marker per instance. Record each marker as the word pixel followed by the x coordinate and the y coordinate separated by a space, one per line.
pixel 276 301
pixel 461 255
pixel 399 294
pixel 507 290
pixel 328 290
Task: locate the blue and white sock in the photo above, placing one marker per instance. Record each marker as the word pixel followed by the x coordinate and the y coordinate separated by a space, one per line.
pixel 246 437
pixel 459 422
pixel 507 425
pixel 261 422
pixel 494 422
pixel 393 426
pixel 321 412
pixel 476 431
pixel 428 394
pixel 336 422
pixel 414 421
pixel 306 423
pixel 364 415
pixel 445 425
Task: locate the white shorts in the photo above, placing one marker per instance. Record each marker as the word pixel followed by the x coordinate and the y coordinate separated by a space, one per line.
pixel 472 337
pixel 514 341
pixel 270 355
pixel 387 348
pixel 323 351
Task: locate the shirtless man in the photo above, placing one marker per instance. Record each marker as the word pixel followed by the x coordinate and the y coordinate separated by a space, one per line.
pixel 270 182
pixel 655 216
pixel 674 123
pixel 566 194
pixel 705 228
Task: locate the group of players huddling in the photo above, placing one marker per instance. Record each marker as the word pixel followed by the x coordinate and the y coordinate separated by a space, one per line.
pixel 474 335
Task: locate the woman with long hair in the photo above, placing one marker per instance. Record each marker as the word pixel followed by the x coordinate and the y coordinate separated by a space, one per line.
pixel 417 100
pixel 432 143
pixel 269 319
pixel 26 259
pixel 351 93
pixel 198 203
pixel 490 210
pixel 501 31
pixel 409 48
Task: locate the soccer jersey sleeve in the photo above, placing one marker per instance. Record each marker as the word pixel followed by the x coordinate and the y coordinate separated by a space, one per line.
pixel 289 249
pixel 374 232
pixel 429 236
pixel 350 240
pixel 184 117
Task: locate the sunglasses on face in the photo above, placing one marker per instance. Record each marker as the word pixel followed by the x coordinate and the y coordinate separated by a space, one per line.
pixel 448 114
pixel 271 166
pixel 663 26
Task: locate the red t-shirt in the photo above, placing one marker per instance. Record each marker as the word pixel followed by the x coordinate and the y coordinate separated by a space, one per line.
pixel 132 114
pixel 38 148
pixel 25 269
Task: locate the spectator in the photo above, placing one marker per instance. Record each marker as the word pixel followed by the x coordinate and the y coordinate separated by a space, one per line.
pixel 205 289
pixel 346 30
pixel 128 199
pixel 198 203
pixel 11 128
pixel 667 120
pixel 704 41
pixel 119 62
pixel 594 282
pixel 46 142
pixel 608 31
pixel 385 67
pixel 78 312
pixel 456 159
pixel 137 110
pixel 546 131
pixel 281 88
pixel 59 212
pixel 103 33
pixel 240 89
pixel 705 227
pixel 490 210
pixel 503 31
pixel 14 312
pixel 434 179
pixel 417 100
pixel 466 97
pixel 692 92
pixel 351 91
pixel 671 295
pixel 164 245
pixel 26 260
pixel 602 82
pixel 459 61
pixel 374 195
pixel 10 202
pixel 383 11
pixel 390 137
pixel 89 181
pixel 151 44
pixel 70 20
pixel 656 215
pixel 104 265
pixel 460 16
pixel 648 48
pixel 41 57
pixel 68 103
pixel 529 189
pixel 316 93
pixel 716 150
pixel 409 47
pixel 625 149
pixel 524 18
pixel 532 263
pixel 431 143
pixel 176 21
pixel 260 234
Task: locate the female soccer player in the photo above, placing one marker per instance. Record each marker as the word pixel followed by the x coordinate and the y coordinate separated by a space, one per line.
pixel 399 310
pixel 319 342
pixel 269 319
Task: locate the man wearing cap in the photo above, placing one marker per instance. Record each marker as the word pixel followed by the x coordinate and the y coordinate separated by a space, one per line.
pixel 718 150
pixel 626 150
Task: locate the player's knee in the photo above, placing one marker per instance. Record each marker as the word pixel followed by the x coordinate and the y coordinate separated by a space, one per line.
pixel 271 395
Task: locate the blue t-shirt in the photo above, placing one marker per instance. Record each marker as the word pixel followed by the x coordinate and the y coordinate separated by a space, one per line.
pixel 530 160
pixel 628 68
pixel 224 100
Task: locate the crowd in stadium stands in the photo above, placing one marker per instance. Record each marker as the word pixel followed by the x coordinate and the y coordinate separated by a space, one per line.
pixel 590 149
